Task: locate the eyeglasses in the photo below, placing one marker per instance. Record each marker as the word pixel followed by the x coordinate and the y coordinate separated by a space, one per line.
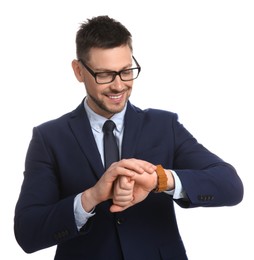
pixel 109 76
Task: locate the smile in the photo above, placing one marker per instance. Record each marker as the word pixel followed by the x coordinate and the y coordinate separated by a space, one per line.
pixel 115 97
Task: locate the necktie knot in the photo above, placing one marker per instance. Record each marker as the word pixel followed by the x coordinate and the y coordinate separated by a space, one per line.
pixel 108 126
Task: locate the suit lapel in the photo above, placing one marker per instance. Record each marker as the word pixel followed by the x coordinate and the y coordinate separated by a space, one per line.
pixel 81 128
pixel 82 131
pixel 133 121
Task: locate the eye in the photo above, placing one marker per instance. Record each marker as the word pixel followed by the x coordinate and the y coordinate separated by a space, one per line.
pixel 126 72
pixel 104 75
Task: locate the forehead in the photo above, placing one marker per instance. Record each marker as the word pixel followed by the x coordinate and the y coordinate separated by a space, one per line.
pixel 112 59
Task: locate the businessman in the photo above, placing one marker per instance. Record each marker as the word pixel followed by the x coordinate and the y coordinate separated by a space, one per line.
pixel 120 208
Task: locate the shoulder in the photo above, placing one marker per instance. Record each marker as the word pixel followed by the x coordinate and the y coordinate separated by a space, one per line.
pixel 63 120
pixel 154 113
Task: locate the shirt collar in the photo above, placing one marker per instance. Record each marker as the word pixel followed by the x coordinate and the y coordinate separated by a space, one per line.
pixel 98 121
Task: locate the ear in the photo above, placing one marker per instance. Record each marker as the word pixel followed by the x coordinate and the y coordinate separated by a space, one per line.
pixel 77 70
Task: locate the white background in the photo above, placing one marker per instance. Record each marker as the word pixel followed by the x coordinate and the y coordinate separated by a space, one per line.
pixel 197 59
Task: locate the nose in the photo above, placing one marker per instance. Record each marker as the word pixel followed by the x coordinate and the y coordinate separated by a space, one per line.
pixel 117 83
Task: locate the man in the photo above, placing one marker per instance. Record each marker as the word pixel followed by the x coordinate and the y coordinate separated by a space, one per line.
pixel 126 211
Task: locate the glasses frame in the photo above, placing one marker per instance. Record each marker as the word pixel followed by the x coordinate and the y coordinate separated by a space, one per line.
pixel 114 73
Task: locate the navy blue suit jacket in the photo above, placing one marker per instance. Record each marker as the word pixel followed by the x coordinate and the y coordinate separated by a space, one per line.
pixel 63 160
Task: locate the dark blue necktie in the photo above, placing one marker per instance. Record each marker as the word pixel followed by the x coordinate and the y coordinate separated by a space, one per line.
pixel 111 153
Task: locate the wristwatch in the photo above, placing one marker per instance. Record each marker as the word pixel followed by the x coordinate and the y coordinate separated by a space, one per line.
pixel 162 179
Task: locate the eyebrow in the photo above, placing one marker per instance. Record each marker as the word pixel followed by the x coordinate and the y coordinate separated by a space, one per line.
pixel 108 70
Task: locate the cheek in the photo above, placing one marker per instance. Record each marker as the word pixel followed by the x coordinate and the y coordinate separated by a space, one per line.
pixel 129 87
pixel 95 90
pixel 90 85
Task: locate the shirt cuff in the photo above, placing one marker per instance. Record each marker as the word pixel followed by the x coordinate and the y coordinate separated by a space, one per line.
pixel 81 216
pixel 178 192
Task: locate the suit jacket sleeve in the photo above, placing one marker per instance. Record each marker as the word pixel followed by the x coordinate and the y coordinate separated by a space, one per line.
pixel 207 180
pixel 41 211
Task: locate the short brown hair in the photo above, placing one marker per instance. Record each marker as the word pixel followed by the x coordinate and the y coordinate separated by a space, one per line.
pixel 101 32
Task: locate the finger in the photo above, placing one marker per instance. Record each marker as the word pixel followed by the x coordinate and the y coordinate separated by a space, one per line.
pixel 122 195
pixel 123 201
pixel 147 166
pixel 125 183
pixel 138 166
pixel 116 170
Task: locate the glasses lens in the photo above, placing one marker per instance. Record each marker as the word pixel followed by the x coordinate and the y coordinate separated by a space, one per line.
pixel 129 74
pixel 105 77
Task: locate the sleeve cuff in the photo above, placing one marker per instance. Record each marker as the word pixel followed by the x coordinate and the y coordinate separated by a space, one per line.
pixel 81 216
pixel 178 192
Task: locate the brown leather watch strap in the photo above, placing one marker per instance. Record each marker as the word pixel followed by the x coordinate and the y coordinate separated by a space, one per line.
pixel 162 179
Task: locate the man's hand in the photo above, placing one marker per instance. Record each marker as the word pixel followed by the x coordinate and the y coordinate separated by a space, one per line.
pixel 130 191
pixel 122 194
pixel 103 189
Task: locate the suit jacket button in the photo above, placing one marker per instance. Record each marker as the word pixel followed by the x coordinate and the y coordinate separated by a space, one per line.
pixel 200 197
pixel 119 221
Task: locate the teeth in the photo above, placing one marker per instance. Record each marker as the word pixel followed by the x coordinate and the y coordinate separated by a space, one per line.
pixel 115 97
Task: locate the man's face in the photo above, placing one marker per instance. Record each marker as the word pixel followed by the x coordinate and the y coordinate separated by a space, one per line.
pixel 110 98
